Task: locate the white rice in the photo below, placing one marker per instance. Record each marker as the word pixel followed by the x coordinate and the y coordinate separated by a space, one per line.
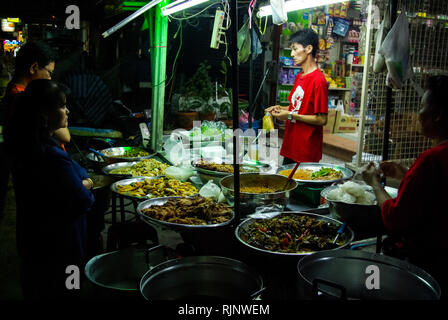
pixel 351 192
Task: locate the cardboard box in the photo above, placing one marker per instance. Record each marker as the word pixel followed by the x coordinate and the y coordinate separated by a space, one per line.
pixel 331 120
pixel 345 124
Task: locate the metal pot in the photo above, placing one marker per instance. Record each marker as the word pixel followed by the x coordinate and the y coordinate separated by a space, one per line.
pixel 114 155
pixel 201 278
pixel 250 201
pixel 342 274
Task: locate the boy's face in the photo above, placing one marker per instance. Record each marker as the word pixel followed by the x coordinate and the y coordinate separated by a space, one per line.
pixel 300 53
pixel 38 72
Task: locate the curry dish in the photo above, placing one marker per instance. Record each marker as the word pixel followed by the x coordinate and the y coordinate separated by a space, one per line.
pixel 157 188
pixel 307 174
pixel 195 211
pixel 260 189
pixel 291 234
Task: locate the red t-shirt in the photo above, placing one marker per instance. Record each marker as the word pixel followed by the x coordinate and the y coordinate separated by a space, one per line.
pixel 418 213
pixel 303 142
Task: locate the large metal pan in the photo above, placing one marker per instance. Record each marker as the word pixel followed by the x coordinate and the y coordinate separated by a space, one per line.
pixel 119 165
pixel 250 201
pixel 203 278
pixel 343 274
pixel 216 176
pixel 114 187
pixel 347 236
pixel 116 154
pixel 346 173
pixel 176 226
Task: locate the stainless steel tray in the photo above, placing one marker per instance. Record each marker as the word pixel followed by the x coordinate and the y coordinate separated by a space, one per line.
pixel 346 173
pixel 107 169
pixel 218 174
pixel 116 154
pixel 348 235
pixel 176 226
pixel 114 186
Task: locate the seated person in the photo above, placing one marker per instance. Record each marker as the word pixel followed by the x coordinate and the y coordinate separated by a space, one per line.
pixel 416 216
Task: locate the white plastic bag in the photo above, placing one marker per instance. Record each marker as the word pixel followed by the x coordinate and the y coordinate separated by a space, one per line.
pixel 210 190
pixel 279 15
pixel 379 65
pixel 395 49
pixel 174 149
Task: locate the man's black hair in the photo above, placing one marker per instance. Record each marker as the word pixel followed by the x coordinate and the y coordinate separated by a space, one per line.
pixel 30 53
pixel 306 37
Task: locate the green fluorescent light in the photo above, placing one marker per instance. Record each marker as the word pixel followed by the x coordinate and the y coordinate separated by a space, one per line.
pixel 133 4
pixel 180 5
pixel 294 5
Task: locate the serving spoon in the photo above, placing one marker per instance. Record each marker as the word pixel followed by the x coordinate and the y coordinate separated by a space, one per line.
pixel 290 176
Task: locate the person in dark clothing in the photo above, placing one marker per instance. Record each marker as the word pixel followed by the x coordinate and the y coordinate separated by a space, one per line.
pixel 414 217
pixel 53 195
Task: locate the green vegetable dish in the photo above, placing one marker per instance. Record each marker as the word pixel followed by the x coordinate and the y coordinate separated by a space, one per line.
pixel 291 234
pixel 326 174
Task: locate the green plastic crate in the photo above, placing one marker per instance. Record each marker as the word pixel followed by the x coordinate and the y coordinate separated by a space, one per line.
pixel 308 195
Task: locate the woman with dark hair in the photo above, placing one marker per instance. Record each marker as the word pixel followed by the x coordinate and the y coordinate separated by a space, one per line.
pixel 52 192
pixel 415 216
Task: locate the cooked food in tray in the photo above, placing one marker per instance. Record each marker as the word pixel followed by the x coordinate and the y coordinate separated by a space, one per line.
pixel 291 234
pixel 307 174
pixel 213 166
pixel 195 211
pixel 157 188
pixel 258 189
pixel 129 153
pixel 145 167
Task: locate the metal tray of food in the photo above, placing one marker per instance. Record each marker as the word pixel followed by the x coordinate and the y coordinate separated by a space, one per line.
pixel 119 154
pixel 114 187
pixel 249 168
pixel 119 165
pixel 347 235
pixel 314 166
pixel 176 226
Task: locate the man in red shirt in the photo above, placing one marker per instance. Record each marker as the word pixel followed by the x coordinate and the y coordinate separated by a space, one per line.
pixel 307 112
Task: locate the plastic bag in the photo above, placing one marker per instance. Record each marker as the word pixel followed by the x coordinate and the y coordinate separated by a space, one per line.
pixel 268 122
pixel 210 190
pixel 395 49
pixel 243 43
pixel 179 173
pixel 379 65
pixel 174 149
pixel 279 15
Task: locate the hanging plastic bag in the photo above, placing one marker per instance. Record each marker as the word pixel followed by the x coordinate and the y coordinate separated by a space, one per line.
pixel 243 43
pixel 279 15
pixel 379 64
pixel 174 149
pixel 268 122
pixel 395 50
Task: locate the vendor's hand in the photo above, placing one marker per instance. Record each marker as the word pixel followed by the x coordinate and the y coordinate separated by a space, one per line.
pixel 281 114
pixel 393 169
pixel 371 175
pixel 272 109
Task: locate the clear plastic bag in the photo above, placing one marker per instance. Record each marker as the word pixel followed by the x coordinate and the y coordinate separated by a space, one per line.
pixel 396 49
pixel 210 190
pixel 279 15
pixel 243 43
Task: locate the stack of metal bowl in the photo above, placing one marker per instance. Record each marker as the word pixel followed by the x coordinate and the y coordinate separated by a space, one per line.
pixel 250 201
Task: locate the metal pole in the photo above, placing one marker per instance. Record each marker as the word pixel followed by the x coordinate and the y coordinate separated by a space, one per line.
pixel 235 86
pixel 251 79
pixel 389 100
pixel 365 89
pixel 158 81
